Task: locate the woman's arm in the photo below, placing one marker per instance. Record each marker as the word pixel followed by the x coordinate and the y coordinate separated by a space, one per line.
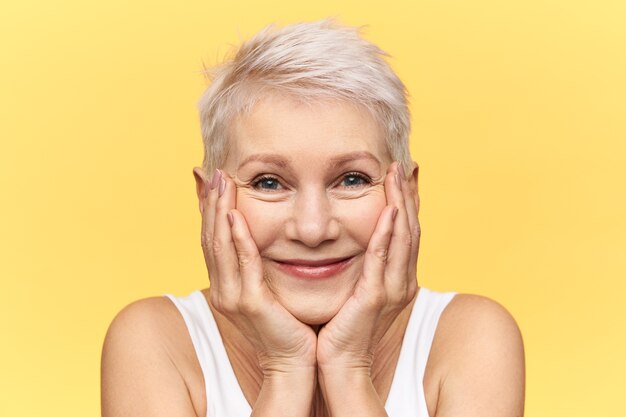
pixel 478 356
pixel 479 352
pixel 138 375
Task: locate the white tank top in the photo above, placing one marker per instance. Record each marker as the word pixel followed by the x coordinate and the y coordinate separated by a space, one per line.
pixel 224 396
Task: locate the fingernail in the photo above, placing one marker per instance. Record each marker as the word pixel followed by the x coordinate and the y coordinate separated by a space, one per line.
pixel 401 172
pixel 215 180
pixel 395 213
pixel 231 220
pixel 398 180
pixel 222 187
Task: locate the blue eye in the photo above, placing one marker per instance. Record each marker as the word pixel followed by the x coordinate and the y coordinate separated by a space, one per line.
pixel 354 179
pixel 266 183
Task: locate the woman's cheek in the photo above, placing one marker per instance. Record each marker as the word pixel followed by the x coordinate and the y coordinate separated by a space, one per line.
pixel 261 219
pixel 360 216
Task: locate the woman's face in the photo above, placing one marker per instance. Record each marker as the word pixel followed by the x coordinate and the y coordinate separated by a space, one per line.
pixel 310 186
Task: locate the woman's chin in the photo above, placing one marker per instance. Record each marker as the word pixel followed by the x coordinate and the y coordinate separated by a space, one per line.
pixel 314 318
pixel 313 313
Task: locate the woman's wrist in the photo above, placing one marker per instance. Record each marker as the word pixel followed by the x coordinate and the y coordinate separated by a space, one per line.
pixel 347 376
pixel 349 391
pixel 345 365
pixel 287 368
pixel 286 393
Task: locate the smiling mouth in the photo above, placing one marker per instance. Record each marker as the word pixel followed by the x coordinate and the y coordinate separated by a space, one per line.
pixel 314 269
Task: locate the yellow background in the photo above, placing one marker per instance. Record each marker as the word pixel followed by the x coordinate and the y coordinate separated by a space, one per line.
pixel 518 111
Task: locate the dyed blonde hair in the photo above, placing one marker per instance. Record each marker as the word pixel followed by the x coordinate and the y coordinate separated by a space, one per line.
pixel 309 61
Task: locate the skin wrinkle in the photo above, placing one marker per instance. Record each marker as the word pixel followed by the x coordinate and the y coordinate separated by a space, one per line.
pixel 276 163
pixel 245 190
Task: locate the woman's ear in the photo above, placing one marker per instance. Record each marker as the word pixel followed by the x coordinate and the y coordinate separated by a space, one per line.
pixel 202 186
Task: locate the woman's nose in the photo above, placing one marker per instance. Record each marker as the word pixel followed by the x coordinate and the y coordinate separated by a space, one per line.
pixel 311 220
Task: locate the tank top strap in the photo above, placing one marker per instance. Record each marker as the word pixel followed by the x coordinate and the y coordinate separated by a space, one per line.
pixel 406 395
pixel 223 393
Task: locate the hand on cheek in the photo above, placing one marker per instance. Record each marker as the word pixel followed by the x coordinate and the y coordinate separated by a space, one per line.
pixel 238 289
pixel 387 284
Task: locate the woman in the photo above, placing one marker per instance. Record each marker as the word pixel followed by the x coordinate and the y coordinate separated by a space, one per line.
pixel 309 207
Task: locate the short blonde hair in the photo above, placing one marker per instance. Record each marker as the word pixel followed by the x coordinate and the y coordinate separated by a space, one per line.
pixel 309 61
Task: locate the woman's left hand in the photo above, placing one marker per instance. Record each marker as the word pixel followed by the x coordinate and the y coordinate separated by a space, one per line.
pixel 387 285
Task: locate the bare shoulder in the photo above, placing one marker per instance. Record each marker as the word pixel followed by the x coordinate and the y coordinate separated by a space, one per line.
pixel 147 364
pixel 477 360
pixel 478 318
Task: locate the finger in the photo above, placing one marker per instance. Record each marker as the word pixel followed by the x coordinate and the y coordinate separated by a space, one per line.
pixel 223 248
pixel 256 302
pixel 411 199
pixel 377 253
pixel 400 245
pixel 208 225
pixel 250 265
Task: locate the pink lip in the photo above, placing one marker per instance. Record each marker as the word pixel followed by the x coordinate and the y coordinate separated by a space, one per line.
pixel 313 269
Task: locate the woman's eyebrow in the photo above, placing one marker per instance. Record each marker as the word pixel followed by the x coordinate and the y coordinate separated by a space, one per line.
pixel 266 158
pixel 353 156
pixel 335 161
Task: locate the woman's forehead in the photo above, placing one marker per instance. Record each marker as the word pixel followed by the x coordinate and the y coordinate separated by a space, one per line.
pixel 282 125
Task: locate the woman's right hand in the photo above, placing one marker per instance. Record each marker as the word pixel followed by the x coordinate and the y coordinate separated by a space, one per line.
pixel 238 289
